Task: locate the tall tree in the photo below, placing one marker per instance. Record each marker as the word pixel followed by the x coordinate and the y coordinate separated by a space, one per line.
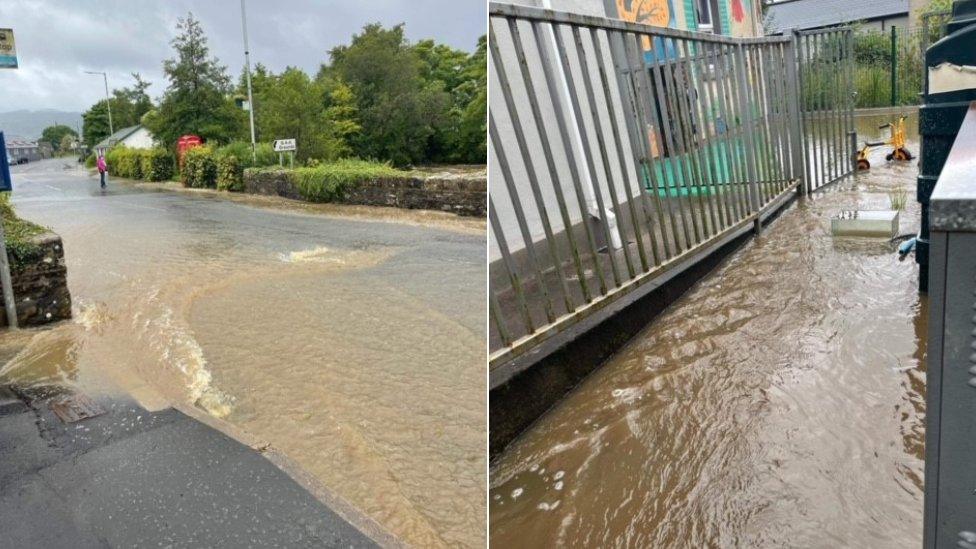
pixel 55 135
pixel 398 113
pixel 129 105
pixel 197 99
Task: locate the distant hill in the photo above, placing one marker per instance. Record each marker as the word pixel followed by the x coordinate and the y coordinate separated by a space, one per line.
pixel 30 124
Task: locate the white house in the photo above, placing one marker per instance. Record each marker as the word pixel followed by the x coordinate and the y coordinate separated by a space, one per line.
pixel 134 137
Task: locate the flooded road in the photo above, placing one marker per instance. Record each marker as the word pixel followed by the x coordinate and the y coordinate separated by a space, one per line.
pixel 355 347
pixel 780 403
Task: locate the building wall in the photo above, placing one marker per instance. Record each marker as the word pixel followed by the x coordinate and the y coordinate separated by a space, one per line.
pixel 140 139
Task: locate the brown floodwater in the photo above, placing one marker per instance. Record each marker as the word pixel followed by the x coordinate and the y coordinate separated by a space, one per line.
pixel 354 346
pixel 779 403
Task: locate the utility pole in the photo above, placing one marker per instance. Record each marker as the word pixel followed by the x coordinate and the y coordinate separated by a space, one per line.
pixel 108 102
pixel 247 72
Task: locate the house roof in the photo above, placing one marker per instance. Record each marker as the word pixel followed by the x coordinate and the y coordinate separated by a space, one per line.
pixel 117 137
pixel 19 142
pixel 812 14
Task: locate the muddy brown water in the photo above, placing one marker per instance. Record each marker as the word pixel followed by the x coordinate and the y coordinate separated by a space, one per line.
pixel 356 347
pixel 780 403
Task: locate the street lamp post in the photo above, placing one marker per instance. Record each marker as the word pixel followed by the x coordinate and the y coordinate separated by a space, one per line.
pixel 247 72
pixel 108 102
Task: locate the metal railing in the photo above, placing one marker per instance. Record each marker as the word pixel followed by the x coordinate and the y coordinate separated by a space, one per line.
pixel 825 68
pixel 622 150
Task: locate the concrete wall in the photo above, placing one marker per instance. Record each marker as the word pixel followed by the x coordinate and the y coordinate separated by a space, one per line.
pixel 41 285
pixel 460 194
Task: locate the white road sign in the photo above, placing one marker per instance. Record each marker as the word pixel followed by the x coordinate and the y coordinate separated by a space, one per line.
pixel 282 145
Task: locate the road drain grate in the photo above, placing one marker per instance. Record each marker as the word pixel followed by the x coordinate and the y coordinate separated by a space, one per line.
pixel 75 407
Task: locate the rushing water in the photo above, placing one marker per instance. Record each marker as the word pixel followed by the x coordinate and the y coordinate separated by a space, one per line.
pixel 780 403
pixel 355 347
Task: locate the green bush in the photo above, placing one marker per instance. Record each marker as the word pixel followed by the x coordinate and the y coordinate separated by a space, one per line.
pixel 264 153
pixel 230 173
pixel 21 249
pixel 124 162
pixel 329 182
pixel 199 168
pixel 90 161
pixel 157 165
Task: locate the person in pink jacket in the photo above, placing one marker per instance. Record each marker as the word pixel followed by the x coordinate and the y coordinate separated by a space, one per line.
pixel 102 168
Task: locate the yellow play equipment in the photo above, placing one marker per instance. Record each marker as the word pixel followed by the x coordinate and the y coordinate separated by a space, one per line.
pixel 896 140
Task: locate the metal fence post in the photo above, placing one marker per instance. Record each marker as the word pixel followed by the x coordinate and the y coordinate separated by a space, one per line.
pixel 797 139
pixel 750 128
pixel 894 66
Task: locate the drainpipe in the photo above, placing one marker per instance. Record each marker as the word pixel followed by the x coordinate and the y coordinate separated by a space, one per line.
pixel 587 184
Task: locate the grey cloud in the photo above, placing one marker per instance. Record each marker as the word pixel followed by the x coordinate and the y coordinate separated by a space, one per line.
pixel 58 39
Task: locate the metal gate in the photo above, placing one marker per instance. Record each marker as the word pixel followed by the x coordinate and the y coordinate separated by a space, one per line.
pixel 825 60
pixel 621 154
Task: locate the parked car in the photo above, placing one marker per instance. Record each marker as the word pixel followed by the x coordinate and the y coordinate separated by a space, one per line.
pixel 23 160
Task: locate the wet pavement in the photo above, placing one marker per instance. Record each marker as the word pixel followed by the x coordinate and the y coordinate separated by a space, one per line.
pixel 353 345
pixel 780 403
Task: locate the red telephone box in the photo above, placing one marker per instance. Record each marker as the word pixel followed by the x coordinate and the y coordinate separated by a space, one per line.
pixel 186 143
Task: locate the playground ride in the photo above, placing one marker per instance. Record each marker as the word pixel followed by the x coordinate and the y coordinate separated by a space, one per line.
pixel 896 140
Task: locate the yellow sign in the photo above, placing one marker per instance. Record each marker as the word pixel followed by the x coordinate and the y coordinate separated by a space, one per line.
pixel 8 51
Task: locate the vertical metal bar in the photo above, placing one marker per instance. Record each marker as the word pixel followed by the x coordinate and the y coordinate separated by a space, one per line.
pixel 757 110
pixel 838 103
pixel 803 137
pixel 714 152
pixel 749 137
pixel 643 157
pixel 672 176
pixel 587 154
pixel 730 67
pixel 675 98
pixel 530 169
pixel 706 143
pixel 496 318
pixel 621 160
pixel 850 97
pixel 7 285
pixel 602 148
pixel 692 129
pixel 557 189
pixel 776 78
pixel 785 164
pixel 767 107
pixel 510 269
pixel 793 87
pixel 817 52
pixel 558 107
pixel 894 66
pixel 648 102
pixel 731 165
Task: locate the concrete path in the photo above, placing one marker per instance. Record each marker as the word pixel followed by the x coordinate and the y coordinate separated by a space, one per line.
pixel 131 478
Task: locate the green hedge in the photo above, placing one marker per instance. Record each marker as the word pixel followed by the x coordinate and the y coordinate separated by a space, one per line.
pixel 157 165
pixel 329 182
pixel 90 161
pixel 21 250
pixel 230 173
pixel 199 168
pixel 264 153
pixel 124 162
pixel 149 164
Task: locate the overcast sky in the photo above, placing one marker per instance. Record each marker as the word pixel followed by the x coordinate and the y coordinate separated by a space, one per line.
pixel 59 39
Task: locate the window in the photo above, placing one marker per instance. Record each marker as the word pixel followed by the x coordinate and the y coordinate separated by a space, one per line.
pixel 703 9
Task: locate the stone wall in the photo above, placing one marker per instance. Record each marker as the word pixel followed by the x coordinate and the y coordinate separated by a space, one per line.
pixel 40 285
pixel 462 194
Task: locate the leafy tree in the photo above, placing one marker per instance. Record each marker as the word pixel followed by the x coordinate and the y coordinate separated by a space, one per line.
pixel 67 142
pixel 197 99
pixel 56 134
pixel 398 113
pixel 129 105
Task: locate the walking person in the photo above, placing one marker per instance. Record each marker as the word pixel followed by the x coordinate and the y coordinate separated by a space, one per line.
pixel 102 168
